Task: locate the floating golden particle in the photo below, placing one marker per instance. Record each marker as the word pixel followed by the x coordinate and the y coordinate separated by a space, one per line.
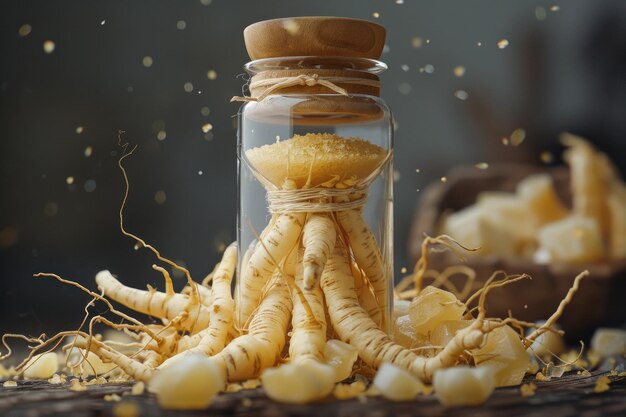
pixel 160 197
pixel 459 71
pixel 147 61
pixel 540 13
pixel 376 15
pixel 404 88
pixel 461 95
pixel 161 135
pixel 8 236
pixel 417 170
pixel 50 209
pixel 24 30
pixel 479 44
pixel 403 270
pixel 88 151
pixel 188 87
pixel 211 74
pixel 9 384
pixel 79 130
pixel 90 186
pixel 399 1
pixel 69 180
pixel 48 47
pixel 482 165
pixel 503 43
pixel 181 25
pixel 546 157
pixel 444 179
pixel 517 137
pixel 417 42
pixel 207 127
pixel 505 141
pixel 555 8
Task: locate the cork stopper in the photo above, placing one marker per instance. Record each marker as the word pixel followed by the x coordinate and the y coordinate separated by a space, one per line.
pixel 315 56
pixel 314 36
pixel 323 156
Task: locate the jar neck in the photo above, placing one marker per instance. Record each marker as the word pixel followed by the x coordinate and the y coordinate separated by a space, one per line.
pixel 314 75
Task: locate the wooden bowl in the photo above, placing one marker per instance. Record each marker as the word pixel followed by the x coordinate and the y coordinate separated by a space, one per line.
pixel 600 299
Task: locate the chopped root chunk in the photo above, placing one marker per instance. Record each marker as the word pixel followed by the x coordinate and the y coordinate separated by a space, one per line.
pixel 340 356
pixel 504 352
pixel 299 384
pixel 42 366
pixel 190 383
pixel 463 385
pixel 432 306
pixel 608 342
pixel 397 384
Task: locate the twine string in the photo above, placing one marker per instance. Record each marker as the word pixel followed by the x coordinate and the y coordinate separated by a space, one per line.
pixel 275 84
pixel 312 200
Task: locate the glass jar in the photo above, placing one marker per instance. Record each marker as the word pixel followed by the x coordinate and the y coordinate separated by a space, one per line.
pixel 315 145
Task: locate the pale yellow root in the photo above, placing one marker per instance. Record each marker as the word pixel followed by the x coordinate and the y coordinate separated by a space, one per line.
pixel 318 239
pixel 246 356
pixel 308 336
pixel 223 308
pixel 354 326
pixel 367 255
pixel 547 326
pixel 365 293
pixel 204 293
pixel 132 367
pixel 195 316
pixel 273 247
pixel 588 172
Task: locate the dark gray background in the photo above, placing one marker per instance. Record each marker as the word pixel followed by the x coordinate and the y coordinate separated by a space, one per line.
pixel 564 72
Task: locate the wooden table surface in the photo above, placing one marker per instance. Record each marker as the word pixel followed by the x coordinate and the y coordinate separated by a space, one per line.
pixel 571 395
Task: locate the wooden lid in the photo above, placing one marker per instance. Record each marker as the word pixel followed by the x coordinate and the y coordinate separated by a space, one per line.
pixel 314 36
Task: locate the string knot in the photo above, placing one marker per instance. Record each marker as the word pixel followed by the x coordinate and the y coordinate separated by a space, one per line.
pixel 308 80
pixel 272 85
